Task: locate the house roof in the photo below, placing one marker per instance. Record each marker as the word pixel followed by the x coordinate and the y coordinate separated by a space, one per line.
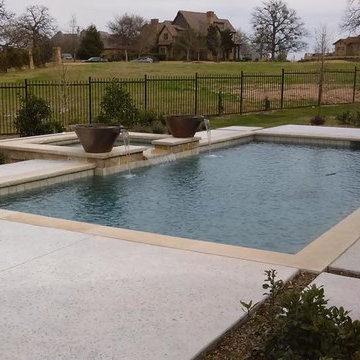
pixel 173 29
pixel 200 23
pixel 349 40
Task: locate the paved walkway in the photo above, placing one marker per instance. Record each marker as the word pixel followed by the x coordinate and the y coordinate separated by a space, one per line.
pixel 69 295
pixel 73 295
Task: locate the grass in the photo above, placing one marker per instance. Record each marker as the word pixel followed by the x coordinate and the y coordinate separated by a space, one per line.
pixel 81 71
pixel 70 102
pixel 299 116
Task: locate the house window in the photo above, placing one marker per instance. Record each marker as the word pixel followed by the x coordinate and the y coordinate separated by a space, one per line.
pixel 166 36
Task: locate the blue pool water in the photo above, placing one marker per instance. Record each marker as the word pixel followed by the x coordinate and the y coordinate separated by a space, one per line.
pixel 267 196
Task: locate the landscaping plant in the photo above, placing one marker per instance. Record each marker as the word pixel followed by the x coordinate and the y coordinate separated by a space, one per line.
pixel 304 327
pixel 34 118
pixel 2 158
pixel 349 118
pixel 117 106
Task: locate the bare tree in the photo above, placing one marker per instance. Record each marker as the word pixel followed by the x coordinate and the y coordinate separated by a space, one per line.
pixel 74 31
pixel 146 41
pixel 277 29
pixel 36 24
pixel 126 30
pixel 322 47
pixel 351 19
pixel 245 48
pixel 7 26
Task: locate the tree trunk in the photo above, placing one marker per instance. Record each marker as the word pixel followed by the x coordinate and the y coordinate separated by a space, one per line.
pixel 31 60
pixel 126 56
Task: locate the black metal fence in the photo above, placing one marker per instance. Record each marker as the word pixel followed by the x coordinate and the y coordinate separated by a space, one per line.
pixel 79 101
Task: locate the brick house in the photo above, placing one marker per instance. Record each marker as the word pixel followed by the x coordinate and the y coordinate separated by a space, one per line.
pixel 169 31
pixel 347 47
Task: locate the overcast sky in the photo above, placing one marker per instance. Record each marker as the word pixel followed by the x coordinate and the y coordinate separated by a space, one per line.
pixel 312 12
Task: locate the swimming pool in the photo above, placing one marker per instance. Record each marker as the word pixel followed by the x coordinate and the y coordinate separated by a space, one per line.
pixel 267 196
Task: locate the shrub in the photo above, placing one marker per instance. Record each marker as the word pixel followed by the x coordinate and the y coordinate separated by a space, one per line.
pixel 13 58
pixel 304 327
pixel 34 118
pixel 317 121
pixel 348 118
pixel 2 158
pixel 149 122
pixel 117 106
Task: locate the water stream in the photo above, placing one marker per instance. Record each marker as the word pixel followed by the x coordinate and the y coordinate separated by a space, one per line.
pixel 126 139
pixel 208 133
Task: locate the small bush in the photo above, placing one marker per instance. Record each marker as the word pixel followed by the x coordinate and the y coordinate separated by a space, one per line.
pixel 2 158
pixel 13 58
pixel 348 118
pixel 117 106
pixel 34 118
pixel 146 118
pixel 317 121
pixel 149 122
pixel 303 327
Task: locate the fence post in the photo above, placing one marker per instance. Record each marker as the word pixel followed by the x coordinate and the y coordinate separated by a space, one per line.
pixel 241 91
pixel 26 89
pixel 145 92
pixel 355 81
pixel 90 101
pixel 282 88
pixel 196 94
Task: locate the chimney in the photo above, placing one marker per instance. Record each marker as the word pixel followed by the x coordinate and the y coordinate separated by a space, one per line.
pixel 210 15
pixel 154 22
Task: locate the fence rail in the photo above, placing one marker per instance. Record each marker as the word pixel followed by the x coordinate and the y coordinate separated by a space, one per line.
pixel 79 101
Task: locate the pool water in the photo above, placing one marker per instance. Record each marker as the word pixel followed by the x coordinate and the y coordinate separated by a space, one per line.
pixel 260 195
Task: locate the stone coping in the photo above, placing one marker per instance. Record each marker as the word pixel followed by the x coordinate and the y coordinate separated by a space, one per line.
pixel 321 132
pixel 240 128
pixel 173 141
pixel 317 256
pixel 222 136
pixel 69 151
pixel 35 170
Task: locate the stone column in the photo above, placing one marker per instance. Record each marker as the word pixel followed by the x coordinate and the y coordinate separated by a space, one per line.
pixel 31 60
pixel 57 55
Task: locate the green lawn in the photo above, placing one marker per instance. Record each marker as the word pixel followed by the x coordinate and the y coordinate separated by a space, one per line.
pixel 300 116
pixel 70 100
pixel 81 71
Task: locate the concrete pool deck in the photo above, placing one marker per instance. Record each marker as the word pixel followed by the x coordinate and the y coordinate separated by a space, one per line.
pixel 84 291
pixel 71 294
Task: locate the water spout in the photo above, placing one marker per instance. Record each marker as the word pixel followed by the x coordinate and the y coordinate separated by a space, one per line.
pixel 126 139
pixel 208 133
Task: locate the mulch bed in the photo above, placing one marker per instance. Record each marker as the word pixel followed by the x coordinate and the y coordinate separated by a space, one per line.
pixel 238 342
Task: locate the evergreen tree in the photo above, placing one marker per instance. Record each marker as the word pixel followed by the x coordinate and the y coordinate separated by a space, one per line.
pixel 90 44
pixel 213 41
pixel 227 43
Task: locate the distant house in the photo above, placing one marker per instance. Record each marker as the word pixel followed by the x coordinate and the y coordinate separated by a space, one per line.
pixel 70 42
pixel 67 42
pixel 347 47
pixel 169 31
